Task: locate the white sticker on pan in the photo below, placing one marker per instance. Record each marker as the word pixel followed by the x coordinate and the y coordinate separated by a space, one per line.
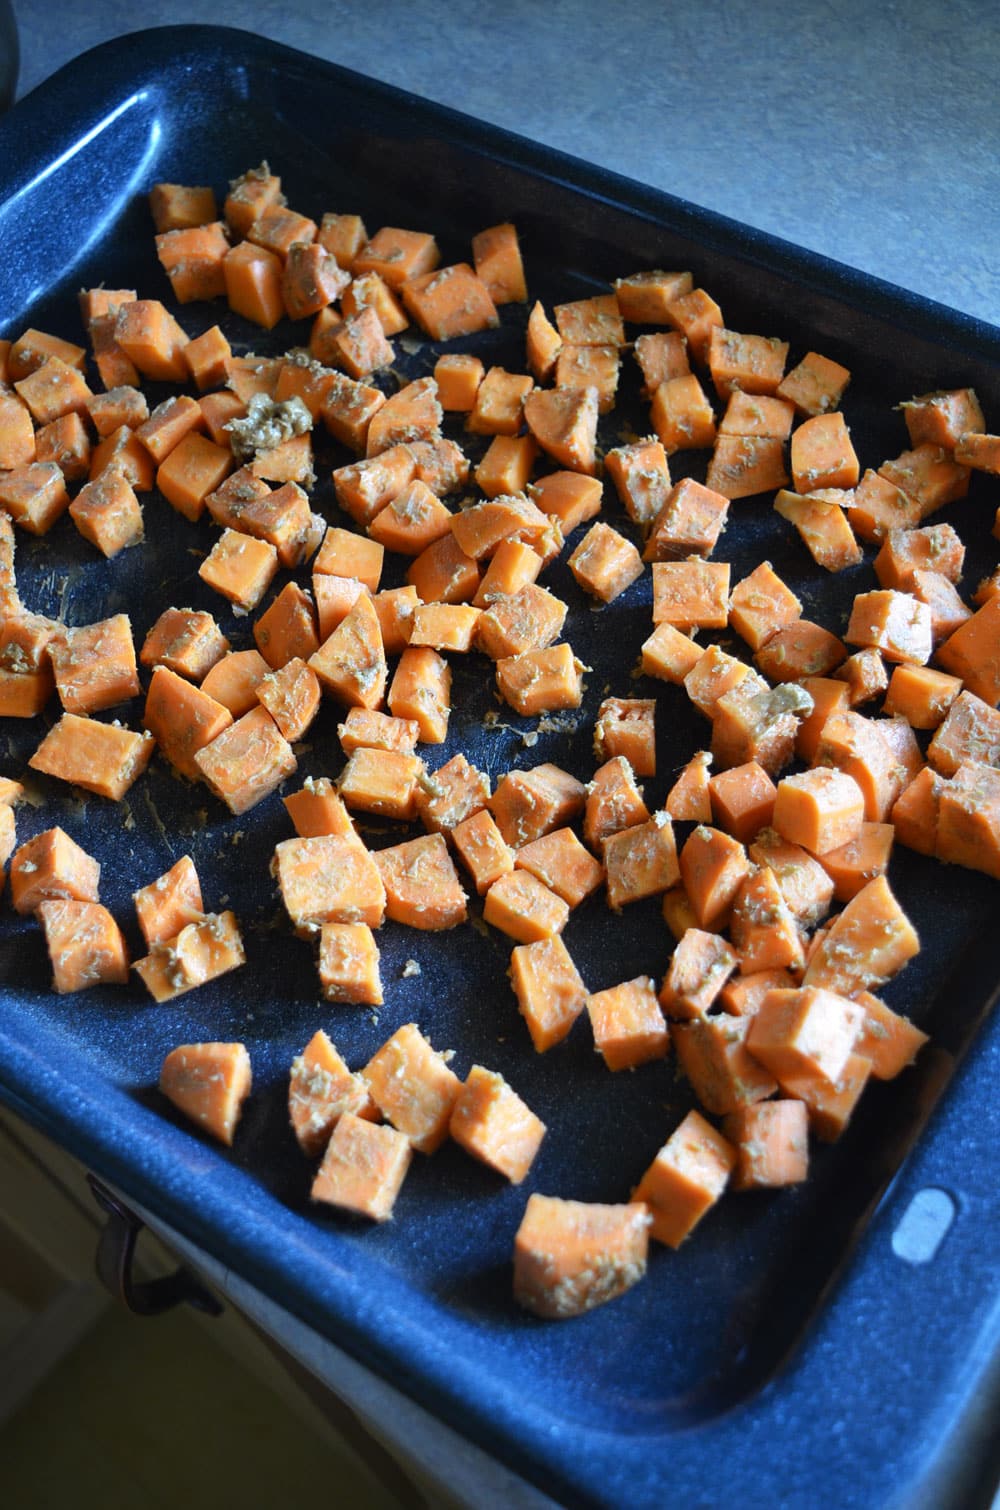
pixel 923 1226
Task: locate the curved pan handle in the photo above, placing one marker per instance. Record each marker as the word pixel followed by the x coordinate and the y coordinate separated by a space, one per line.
pixel 115 1252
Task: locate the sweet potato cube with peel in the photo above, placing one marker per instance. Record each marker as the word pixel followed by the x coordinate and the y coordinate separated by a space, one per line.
pixel 421 691
pixel 691 594
pixel 183 719
pixel 51 867
pixel 524 908
pixel 186 641
pixel 712 866
pixel 450 302
pixel 351 664
pixel 640 861
pixel 605 563
pixel 491 1122
pixel 94 666
pixel 482 849
pixel 209 1083
pixel 820 809
pixel 699 967
pixel 570 1256
pixel 102 758
pixel 85 945
pixel 348 964
pixel 866 944
pixel 422 887
pixel 888 1040
pixel 771 1140
pixel 549 991
pixel 363 1168
pixel 317 810
pixel 321 1089
pixel 329 878
pixel 685 1179
pixel 246 762
pixel 628 1025
pixel 169 903
pixel 413 1087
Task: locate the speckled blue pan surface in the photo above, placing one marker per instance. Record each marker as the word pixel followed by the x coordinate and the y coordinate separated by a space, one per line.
pixel 785 1354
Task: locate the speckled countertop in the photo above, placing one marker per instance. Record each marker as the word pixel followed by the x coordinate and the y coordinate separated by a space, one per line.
pixel 869 132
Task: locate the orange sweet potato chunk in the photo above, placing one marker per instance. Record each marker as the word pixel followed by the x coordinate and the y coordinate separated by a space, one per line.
pixel 771 1140
pixel 685 1179
pixel 102 758
pixel 247 761
pixel 481 848
pixel 169 903
pixel 449 302
pixel 563 864
pixel 329 878
pixel 94 665
pixel 292 697
pixel 712 1051
pixel 363 1168
pixel 699 968
pixel 321 1089
pixel 541 681
pixel 85 945
pixel 316 809
pixel 570 1256
pixel 413 1087
pixel 550 993
pixel 382 781
pixel 422 887
pixel 628 1025
pixel 183 719
pixel 865 945
pixel 204 949
pixel 351 663
pixel 640 861
pixel 349 964
pixel 52 866
pixel 491 1122
pixel 209 1083
pixel 524 908
pixel 497 258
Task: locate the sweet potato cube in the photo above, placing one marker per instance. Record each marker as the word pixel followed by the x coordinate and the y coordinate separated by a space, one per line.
pixel 929 476
pixel 123 452
pixel 808 1032
pixel 887 1039
pixel 94 666
pixel 507 465
pixel 821 809
pixel 596 367
pixel 449 795
pixel 865 945
pixel 724 1075
pixel 614 802
pixel 377 731
pixel 699 967
pixel 34 348
pixel 351 663
pixel 34 496
pixel 321 1089
pixel 971 653
pixel 357 344
pixel 252 277
pixel 450 302
pixel 233 680
pixel 682 416
pixel 757 414
pixel 830 1106
pixel 499 404
pixel 411 414
pixel 240 568
pixel 823 528
pixel 669 655
pixel 761 605
pixel 569 497
pixel 54 390
pixel 85 945
pixel 640 861
pixel 458 376
pixel 202 951
pixel 641 475
pixel 317 810
pixel 858 746
pixel 895 623
pixel 65 441
pixel 685 1179
pixel 713 675
pixel 979 451
pixel 344 236
pixel 344 554
pixel 853 865
pixel 497 259
pixel 763 930
pixel 329 878
pixel 247 761
pixel 772 1144
pixel 628 1025
pixel 348 964
pixel 915 812
pixel 742 995
pixel 541 681
pixel 564 423
pixel 691 594
pixel 150 337
pixel 528 804
pixel 864 675
pixel 421 691
pixel 970 732
pixel 102 758
pixel 184 640
pixel 660 357
pixel 549 991
pixel 363 1168
pixel 689 799
pixel 372 292
pixel 524 908
pixel 798 650
pixel 816 385
pixel 752 364
pixel 804 883
pixel 605 563
pixel 491 1122
pixel 481 529
pixel 52 867
pixel 511 624
pixel 192 258
pixel 209 1083
pixel 382 781
pixel 695 315
pixel 689 523
pixel 168 424
pixel 482 849
pixel 712 866
pixel 410 522
pixel 292 697
pixel 413 1087
pixel 445 626
pixel 948 612
pixel 249 196
pixel 397 255
pixel 626 726
pixel 287 628
pixel 207 356
pixel 969 819
pixel 443 572
pixel 822 455
pixel 570 1256
pixel 108 514
pixel 421 884
pixel 744 465
pixel 742 800
pixel 17 433
pixel 169 903
pixel 561 863
pixel 643 297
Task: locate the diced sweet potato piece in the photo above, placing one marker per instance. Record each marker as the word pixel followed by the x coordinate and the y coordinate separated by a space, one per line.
pixel 151 338
pixel 345 236
pixel 377 731
pixel 445 626
pixel 570 1256
pixel 348 964
pixel 421 691
pixel 94 665
pixel 614 802
pixel 685 1179
pixel 799 650
pixel 569 497
pixel 643 297
pixel 744 465
pixel 292 697
pixel 690 594
pixel 458 376
pixel 979 451
pixel 372 292
pixel 66 442
pixel 689 799
pixel 450 302
pixel 821 809
pixel 929 476
pixel 34 348
pixel 183 719
pixel 628 1025
pixel 482 849
pixel 867 944
pixel 971 653
pixel 186 641
pixel 102 758
pixel 528 804
pixel 742 995
pixel 761 605
pixel 772 1144
pixel 968 821
pixel 626 727
pixel 443 573
pixel 970 732
pixel 864 675
pixel 421 884
pixel 108 514
pixel 689 523
pixel 695 315
pixel 895 623
pixel 85 945
pixel 549 991
pixel 329 878
pixel 804 884
pixel 53 390
pixel 915 812
pixel 640 861
pixel 17 434
pixel 363 1168
pixel 823 528
pixel 209 1083
pixel 596 367
pixel 712 867
pixel 816 385
pixel 763 929
pixel 822 455
pixel 605 563
pixel 507 465
pixel 809 1032
pixel 449 795
pixel 757 414
pixel 169 903
pixel 351 664
pixel 888 1040
pixel 413 1087
pixel 742 800
pixel 857 746
pixel 344 554
pixel 233 680
pixel 661 357
pixel 681 415
pixel 382 781
pixel 250 195
pixel 317 809
pixel 699 967
pixel 52 867
pixel 561 863
pixel 240 568
pixel 512 624
pixel 541 681
pixel 854 864
pixel 751 364
pixel 247 761
pixel 491 1122
pixel 564 423
pixel 524 908
pixel 34 496
pixel 670 655
pixel 321 1089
